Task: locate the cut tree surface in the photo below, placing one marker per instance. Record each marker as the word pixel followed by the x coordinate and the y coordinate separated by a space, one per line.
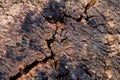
pixel 59 40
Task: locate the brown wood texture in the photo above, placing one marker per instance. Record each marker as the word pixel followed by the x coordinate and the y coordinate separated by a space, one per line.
pixel 60 40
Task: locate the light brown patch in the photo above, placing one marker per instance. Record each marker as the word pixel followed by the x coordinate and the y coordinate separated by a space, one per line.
pixel 59 24
pixel 109 73
pixel 52 26
pixel 1 38
pixel 111 24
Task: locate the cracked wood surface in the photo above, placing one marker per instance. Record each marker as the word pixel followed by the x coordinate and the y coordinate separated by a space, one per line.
pixel 60 40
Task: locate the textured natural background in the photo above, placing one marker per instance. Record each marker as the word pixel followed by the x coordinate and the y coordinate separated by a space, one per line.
pixel 59 39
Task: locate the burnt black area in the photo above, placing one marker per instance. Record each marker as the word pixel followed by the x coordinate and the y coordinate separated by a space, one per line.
pixel 27 22
pixel 34 45
pixel 9 53
pixel 27 25
pixel 41 76
pixel 19 58
pixel 22 49
pixel 24 41
pixel 81 72
pixel 65 72
pixel 62 72
pixel 92 23
pixel 2 76
pixel 53 12
pixel 84 73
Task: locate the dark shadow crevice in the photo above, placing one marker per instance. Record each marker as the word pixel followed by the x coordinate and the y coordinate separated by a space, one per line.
pixel 24 71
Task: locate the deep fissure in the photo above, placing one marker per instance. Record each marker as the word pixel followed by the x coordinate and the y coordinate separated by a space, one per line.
pixel 25 70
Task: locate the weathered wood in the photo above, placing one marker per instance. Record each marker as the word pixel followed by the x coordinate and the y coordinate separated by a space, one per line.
pixel 59 39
